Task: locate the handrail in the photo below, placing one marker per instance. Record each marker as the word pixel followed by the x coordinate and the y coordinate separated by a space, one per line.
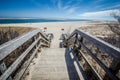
pixel 19 75
pixel 14 65
pixel 7 48
pixel 109 49
pixel 112 51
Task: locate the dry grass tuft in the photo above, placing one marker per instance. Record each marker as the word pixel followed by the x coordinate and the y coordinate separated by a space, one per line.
pixel 103 32
pixel 9 33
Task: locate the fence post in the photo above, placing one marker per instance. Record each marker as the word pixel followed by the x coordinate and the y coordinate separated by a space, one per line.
pixel 3 68
pixel 75 43
pixel 115 66
pixel 81 40
pixel 77 46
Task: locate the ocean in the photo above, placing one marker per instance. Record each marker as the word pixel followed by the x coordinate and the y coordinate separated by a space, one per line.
pixel 10 21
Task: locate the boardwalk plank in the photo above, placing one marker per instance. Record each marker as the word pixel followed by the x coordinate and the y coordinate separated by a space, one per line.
pixel 57 66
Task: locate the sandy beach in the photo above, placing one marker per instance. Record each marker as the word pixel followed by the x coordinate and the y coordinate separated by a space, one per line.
pixel 59 39
pixel 53 27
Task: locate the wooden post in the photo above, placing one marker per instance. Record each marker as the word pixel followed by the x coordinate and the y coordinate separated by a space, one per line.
pixel 79 47
pixel 115 66
pixel 35 38
pixel 81 40
pixel 75 48
pixel 3 68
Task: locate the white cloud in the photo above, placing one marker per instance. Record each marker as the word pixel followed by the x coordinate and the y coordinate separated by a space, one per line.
pixel 99 6
pixel 70 1
pixel 99 14
pixel 115 6
pixel 104 7
pixel 59 5
pixel 97 1
pixel 71 10
pixel 66 7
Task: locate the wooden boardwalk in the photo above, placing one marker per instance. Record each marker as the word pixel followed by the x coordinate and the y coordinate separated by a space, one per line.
pixel 56 64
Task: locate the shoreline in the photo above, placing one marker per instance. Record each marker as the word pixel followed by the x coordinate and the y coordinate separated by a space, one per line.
pixel 52 26
pixel 55 28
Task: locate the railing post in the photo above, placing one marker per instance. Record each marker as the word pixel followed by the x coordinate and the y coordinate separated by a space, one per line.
pixel 81 40
pixel 77 46
pixel 3 68
pixel 35 38
pixel 75 43
pixel 7 73
pixel 115 66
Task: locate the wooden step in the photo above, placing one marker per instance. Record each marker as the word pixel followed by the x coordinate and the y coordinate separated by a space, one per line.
pixel 56 64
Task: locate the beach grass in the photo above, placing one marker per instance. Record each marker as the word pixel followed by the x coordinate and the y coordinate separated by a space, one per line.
pixel 9 33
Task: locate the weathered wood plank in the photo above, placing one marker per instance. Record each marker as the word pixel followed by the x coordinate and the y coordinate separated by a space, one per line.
pixel 45 40
pixel 9 46
pixel 56 64
pixel 106 47
pixel 83 73
pixel 112 76
pixel 7 73
pixel 26 64
pixel 44 35
pixel 3 68
pixel 93 70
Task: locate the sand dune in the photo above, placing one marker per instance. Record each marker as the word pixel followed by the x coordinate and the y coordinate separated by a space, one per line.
pixel 53 27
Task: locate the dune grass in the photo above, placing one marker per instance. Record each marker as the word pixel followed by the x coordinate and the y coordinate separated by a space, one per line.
pixel 9 33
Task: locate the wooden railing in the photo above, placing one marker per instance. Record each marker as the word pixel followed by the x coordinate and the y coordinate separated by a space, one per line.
pixel 77 42
pixel 25 48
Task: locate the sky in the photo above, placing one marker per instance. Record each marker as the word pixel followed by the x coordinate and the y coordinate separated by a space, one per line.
pixel 59 9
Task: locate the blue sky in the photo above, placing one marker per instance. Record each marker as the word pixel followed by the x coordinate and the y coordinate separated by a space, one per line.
pixel 59 9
